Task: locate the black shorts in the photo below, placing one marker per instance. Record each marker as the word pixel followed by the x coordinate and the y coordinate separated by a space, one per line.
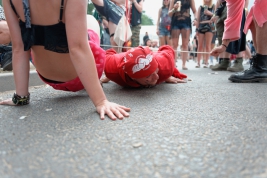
pixel 239 45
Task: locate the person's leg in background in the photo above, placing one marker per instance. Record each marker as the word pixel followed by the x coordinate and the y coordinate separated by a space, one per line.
pixel 258 70
pixel 168 38
pixel 200 48
pixel 185 38
pixel 212 46
pixel 207 38
pixel 224 58
pixel 135 35
pixel 175 33
pixel 238 47
pixel 162 37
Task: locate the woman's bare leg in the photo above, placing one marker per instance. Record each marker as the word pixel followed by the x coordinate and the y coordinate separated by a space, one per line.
pixel 200 48
pixel 208 38
pixel 185 39
pixel 175 41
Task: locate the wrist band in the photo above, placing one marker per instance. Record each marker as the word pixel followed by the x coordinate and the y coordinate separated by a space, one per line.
pixel 224 45
pixel 21 100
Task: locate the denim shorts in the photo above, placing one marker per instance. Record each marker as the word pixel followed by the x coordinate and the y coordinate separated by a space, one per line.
pixel 163 32
pixel 183 24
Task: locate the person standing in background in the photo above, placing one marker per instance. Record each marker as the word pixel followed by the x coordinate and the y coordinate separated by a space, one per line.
pixel 236 47
pixel 204 31
pixel 164 24
pixel 136 8
pixel 179 11
pixel 145 38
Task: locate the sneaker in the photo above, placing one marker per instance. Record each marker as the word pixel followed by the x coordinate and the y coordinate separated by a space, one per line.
pixel 6 62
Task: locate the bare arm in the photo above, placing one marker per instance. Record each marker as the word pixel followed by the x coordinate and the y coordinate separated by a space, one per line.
pixel 20 58
pixel 193 7
pixel 171 8
pixel 159 13
pixel 198 17
pixel 83 59
pixel 138 6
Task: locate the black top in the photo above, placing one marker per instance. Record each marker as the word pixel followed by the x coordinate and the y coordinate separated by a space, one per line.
pixel 52 37
pixel 136 16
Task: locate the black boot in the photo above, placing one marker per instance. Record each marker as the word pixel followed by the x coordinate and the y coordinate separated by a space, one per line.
pixel 6 61
pixel 256 73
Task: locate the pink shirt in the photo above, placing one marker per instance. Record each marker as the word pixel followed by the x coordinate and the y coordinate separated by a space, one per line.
pixel 259 12
pixel 233 22
pixel 234 17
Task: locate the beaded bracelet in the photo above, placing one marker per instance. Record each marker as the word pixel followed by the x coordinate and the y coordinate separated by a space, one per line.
pixel 21 100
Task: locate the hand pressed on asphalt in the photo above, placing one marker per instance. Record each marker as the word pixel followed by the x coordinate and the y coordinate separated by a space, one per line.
pixel 112 110
pixel 172 79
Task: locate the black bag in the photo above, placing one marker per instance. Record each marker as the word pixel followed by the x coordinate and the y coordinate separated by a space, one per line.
pixel 204 27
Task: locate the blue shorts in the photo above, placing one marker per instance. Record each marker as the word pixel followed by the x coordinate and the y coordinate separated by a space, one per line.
pixel 181 24
pixel 163 32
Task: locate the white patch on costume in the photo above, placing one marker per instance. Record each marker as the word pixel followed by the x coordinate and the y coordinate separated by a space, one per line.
pixel 142 63
pixel 130 54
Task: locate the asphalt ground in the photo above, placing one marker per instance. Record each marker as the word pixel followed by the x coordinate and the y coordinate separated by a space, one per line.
pixel 208 127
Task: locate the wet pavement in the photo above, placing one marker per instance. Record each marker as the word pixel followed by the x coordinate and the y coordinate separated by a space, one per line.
pixel 208 127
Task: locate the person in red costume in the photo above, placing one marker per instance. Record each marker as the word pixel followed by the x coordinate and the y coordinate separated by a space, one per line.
pixel 141 67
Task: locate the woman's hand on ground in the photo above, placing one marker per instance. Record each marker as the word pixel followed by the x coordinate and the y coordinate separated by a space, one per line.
pixel 172 79
pixel 218 50
pixel 112 110
pixel 7 102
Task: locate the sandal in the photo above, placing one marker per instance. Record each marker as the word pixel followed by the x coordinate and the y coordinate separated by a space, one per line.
pixel 185 68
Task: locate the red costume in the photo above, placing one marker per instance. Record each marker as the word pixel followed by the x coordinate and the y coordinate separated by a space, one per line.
pixel 116 68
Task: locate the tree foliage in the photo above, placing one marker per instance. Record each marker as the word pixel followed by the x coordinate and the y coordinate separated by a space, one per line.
pixel 146 20
pixel 90 8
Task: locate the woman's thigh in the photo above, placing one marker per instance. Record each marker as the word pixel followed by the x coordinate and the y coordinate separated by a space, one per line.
pixel 175 36
pixel 201 37
pixel 208 38
pixel 185 36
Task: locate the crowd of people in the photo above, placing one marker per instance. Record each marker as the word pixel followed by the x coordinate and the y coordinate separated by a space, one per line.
pixel 71 61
